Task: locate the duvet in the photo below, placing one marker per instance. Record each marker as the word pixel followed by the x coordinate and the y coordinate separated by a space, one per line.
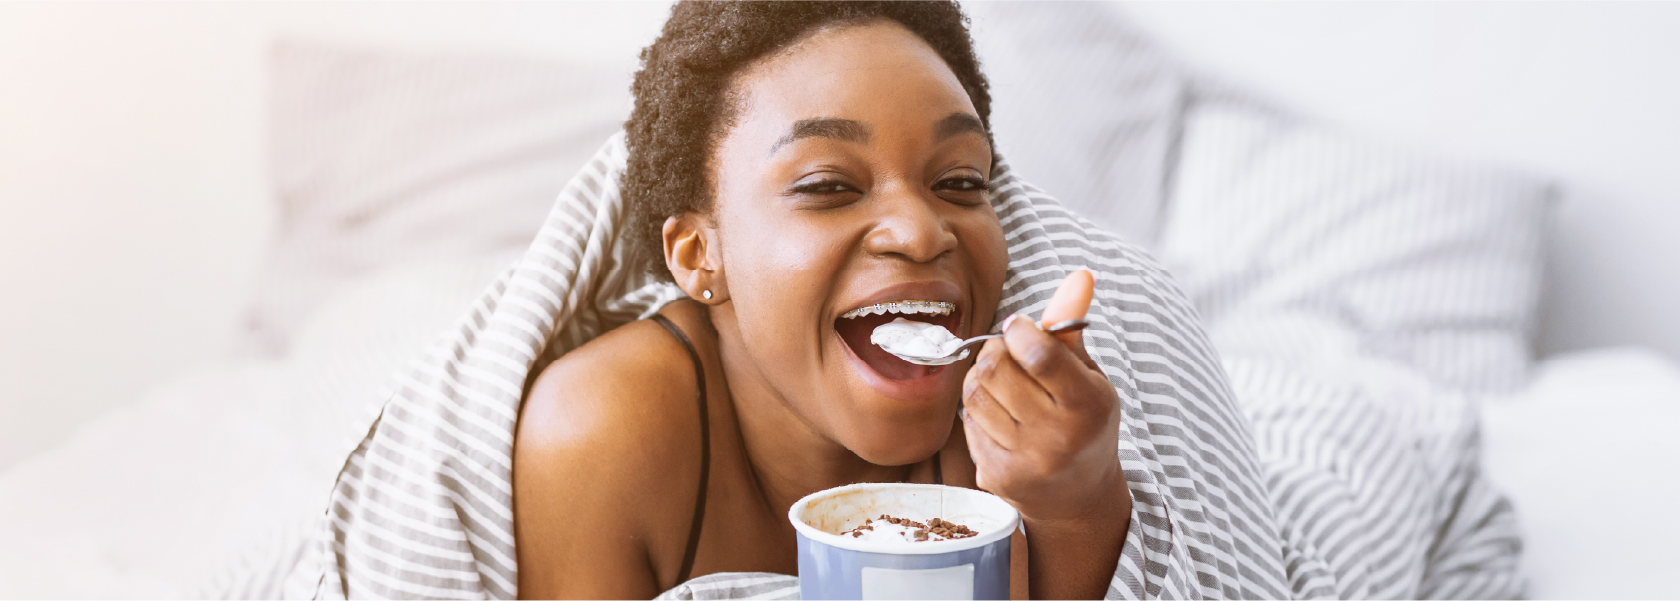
pixel 1281 479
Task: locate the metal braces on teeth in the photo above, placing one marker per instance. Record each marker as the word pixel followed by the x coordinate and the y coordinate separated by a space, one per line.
pixel 902 307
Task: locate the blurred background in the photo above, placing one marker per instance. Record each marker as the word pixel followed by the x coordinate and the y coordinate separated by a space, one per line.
pixel 135 205
pixel 135 198
pixel 138 203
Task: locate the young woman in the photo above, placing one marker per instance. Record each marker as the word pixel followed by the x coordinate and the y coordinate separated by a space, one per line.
pixel 791 163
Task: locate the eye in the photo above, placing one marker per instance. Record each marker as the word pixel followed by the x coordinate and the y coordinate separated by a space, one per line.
pixel 819 187
pixel 962 189
pixel 961 184
pixel 823 191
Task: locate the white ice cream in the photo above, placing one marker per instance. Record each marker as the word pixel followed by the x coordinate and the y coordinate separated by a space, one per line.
pixel 883 531
pixel 914 339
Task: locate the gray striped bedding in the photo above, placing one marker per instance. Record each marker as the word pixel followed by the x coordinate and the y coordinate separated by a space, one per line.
pixel 1281 495
pixel 1430 263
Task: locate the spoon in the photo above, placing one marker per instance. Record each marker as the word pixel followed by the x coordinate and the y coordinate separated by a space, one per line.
pixel 961 351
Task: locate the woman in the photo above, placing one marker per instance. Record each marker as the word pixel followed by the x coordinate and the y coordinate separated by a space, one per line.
pixel 789 165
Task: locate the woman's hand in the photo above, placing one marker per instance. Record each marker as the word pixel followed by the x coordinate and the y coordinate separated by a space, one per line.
pixel 1042 423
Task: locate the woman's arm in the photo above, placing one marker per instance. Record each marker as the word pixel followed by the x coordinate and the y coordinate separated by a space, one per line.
pixel 1042 423
pixel 569 528
pixel 590 473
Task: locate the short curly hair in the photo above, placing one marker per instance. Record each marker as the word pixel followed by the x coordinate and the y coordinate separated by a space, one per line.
pixel 681 93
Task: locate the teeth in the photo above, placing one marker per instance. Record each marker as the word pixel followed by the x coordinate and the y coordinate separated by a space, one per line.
pixel 903 308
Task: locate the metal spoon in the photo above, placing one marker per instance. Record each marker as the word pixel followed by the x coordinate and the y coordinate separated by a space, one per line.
pixel 961 352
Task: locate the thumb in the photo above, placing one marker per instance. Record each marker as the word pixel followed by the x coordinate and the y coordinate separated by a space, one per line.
pixel 1071 301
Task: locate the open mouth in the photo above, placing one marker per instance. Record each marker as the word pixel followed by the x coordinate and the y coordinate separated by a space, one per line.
pixel 855 327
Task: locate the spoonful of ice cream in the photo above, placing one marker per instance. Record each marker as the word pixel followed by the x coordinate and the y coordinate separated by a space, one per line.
pixel 929 344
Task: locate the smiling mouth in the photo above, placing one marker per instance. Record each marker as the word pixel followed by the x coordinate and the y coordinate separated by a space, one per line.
pixel 856 325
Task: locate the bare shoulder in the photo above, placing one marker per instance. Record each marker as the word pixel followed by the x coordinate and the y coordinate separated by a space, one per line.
pixel 607 438
pixel 610 391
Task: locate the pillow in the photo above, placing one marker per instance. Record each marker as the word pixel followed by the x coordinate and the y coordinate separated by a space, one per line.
pixel 381 157
pixel 1427 263
pixel 1084 105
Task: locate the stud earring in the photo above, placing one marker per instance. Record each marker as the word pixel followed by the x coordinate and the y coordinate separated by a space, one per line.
pixel 706 294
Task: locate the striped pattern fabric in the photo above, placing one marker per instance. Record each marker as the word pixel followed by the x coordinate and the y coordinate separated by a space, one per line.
pixel 1374 471
pixel 1355 295
pixel 737 585
pixel 1311 480
pixel 1086 106
pixel 1428 263
pixel 423 506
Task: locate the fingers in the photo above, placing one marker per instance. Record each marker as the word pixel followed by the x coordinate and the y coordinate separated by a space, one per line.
pixel 999 380
pixel 989 456
pixel 1066 377
pixel 1075 341
pixel 982 409
pixel 1073 299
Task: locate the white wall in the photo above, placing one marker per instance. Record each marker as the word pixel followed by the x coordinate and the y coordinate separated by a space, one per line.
pixel 133 209
pixel 1585 92
pixel 133 206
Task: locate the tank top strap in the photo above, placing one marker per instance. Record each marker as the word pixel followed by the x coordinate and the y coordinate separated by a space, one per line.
pixel 705 446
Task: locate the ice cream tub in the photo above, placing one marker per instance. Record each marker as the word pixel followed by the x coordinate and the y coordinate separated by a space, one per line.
pixel 848 551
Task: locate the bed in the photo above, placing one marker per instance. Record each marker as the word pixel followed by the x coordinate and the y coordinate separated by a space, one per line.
pixel 206 486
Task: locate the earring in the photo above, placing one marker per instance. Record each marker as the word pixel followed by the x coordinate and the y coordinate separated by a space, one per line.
pixel 706 294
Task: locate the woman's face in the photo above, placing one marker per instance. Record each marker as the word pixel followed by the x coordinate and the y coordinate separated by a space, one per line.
pixel 854 174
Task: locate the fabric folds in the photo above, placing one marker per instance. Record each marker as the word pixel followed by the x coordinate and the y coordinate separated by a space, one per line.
pixel 423 506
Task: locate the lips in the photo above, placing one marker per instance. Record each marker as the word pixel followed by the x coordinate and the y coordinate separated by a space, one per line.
pixel 856 333
pixel 916 302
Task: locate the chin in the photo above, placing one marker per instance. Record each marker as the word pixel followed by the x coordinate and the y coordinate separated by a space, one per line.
pixel 897 412
pixel 902 439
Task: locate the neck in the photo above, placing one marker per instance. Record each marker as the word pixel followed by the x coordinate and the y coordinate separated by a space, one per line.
pixel 790 457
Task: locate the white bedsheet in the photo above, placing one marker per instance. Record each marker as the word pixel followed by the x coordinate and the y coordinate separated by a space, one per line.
pixel 1590 456
pixel 199 483
pixel 164 497
pixel 143 502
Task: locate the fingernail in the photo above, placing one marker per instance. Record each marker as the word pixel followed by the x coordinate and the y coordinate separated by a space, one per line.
pixel 1007 321
pixel 1013 319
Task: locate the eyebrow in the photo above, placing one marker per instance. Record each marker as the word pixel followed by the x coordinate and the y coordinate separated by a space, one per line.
pixel 958 123
pixel 849 130
pixel 839 129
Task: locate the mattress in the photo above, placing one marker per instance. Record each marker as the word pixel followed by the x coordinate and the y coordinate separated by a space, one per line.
pixel 1588 455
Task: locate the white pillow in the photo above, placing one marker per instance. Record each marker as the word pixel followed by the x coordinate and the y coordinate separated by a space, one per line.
pixel 1427 263
pixel 384 157
pixel 1084 105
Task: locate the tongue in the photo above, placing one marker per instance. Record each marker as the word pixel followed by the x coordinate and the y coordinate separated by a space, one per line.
pixel 856 332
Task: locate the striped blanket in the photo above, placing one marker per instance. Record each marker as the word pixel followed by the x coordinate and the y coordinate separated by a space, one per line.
pixel 1308 491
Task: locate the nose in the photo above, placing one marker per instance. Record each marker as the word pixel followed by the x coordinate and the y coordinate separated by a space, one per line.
pixel 910 227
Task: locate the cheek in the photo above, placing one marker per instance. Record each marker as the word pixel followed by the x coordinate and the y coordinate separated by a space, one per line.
pixel 780 273
pixel 983 237
pixel 773 248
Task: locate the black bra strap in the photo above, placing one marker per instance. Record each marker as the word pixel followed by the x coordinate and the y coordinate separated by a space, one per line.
pixel 705 448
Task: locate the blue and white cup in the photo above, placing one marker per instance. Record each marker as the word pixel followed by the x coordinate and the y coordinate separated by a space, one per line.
pixel 832 566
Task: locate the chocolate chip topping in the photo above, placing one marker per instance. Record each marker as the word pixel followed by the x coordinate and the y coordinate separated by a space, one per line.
pixel 944 529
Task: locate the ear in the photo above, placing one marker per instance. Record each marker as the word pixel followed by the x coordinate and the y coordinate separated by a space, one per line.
pixel 691 255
